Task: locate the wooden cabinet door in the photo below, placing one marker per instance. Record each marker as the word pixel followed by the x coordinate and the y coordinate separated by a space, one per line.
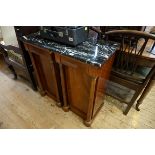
pixel 76 85
pixel 44 68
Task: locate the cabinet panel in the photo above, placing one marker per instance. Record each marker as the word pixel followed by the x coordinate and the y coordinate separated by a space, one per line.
pixel 47 71
pixel 101 84
pixel 78 89
pixel 38 70
pixel 100 94
pixel 44 66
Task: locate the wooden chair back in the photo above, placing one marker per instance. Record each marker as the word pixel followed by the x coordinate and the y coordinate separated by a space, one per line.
pixel 129 56
pixel 112 28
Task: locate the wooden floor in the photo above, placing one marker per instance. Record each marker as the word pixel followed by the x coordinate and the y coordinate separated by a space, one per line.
pixel 21 107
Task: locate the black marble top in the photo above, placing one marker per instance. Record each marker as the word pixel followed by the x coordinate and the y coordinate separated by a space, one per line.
pixel 95 54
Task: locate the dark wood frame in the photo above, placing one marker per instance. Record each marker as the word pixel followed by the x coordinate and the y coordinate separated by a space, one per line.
pixel 130 54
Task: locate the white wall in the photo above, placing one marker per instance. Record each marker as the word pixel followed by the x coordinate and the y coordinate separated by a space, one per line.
pixel 0 33
pixel 8 35
pixel 148 28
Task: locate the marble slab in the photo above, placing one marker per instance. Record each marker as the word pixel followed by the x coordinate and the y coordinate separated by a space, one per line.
pixel 88 52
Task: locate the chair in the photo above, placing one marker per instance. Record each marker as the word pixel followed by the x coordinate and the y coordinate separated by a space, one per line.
pixel 131 69
pixel 111 28
pixel 12 58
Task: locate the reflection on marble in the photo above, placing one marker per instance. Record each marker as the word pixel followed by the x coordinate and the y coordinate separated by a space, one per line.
pixel 88 52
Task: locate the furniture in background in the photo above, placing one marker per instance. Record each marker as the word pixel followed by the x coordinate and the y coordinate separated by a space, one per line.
pixel 11 37
pixel 112 28
pixel 129 63
pixel 100 31
pixel 10 56
pixel 28 68
pixel 117 38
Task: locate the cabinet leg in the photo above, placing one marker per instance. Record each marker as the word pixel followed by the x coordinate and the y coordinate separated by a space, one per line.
pixel 87 123
pixel 42 92
pixel 88 120
pixel 59 104
pixel 65 108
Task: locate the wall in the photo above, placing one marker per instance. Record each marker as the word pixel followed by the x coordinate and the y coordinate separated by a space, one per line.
pixel 149 28
pixel 8 35
pixel 0 33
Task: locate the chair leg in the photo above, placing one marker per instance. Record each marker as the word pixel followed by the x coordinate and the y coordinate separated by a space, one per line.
pixel 140 100
pixel 131 103
pixel 137 105
pixel 144 94
pixel 13 71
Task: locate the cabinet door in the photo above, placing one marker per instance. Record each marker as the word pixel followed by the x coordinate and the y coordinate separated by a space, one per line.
pixel 78 87
pixel 45 70
pixel 76 84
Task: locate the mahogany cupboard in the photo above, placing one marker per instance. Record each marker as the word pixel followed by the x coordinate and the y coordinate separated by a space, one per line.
pixel 77 85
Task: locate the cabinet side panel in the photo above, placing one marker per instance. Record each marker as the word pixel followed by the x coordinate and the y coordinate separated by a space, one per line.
pixel 100 93
pixel 102 83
